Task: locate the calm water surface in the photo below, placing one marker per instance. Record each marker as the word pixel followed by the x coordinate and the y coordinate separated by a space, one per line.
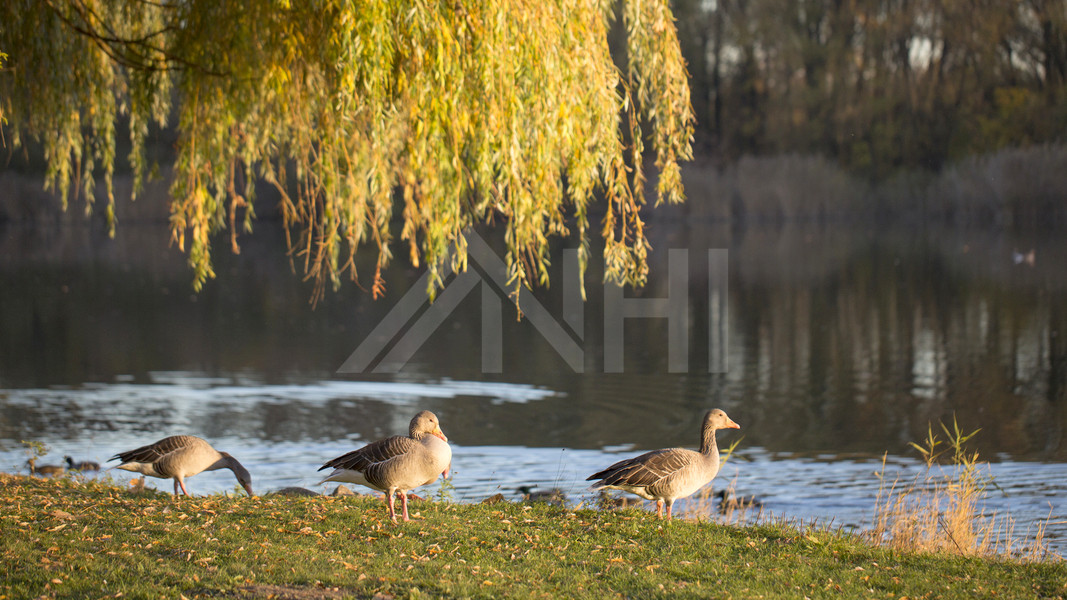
pixel 842 344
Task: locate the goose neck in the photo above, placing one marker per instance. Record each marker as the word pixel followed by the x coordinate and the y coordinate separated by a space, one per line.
pixel 707 442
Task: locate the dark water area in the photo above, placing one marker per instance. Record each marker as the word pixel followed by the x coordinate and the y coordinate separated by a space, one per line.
pixel 831 344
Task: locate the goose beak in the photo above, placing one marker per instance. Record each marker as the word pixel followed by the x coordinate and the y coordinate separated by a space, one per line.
pixel 440 434
pixel 731 424
pixel 248 488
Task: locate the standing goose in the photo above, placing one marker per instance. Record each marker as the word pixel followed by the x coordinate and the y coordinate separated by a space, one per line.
pixel 668 474
pixel 181 456
pixel 398 463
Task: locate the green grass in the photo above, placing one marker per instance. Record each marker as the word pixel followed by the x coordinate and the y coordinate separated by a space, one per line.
pixel 87 539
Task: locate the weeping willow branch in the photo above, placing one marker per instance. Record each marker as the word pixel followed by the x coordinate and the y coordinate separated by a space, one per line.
pixel 454 113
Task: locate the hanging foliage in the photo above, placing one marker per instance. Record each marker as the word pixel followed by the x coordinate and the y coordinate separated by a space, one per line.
pixel 452 112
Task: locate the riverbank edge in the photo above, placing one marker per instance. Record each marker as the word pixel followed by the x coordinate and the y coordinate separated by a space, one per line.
pixel 73 538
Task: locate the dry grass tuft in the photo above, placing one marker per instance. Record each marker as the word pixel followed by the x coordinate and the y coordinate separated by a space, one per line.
pixel 940 509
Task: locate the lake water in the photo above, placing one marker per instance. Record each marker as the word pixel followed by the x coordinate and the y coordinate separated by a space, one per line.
pixel 832 345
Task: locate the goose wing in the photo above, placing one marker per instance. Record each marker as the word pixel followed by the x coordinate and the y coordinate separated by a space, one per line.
pixel 373 453
pixel 645 470
pixel 153 452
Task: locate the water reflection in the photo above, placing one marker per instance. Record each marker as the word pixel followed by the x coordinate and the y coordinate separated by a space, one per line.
pixel 842 342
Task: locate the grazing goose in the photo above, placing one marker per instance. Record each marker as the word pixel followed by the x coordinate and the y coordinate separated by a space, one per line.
pixel 46 470
pixel 398 463
pixel 669 474
pixel 181 456
pixel 85 465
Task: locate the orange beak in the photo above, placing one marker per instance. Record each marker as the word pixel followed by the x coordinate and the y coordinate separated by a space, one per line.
pixel 441 434
pixel 731 424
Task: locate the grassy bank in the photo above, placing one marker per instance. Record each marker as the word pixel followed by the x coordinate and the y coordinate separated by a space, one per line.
pixel 72 539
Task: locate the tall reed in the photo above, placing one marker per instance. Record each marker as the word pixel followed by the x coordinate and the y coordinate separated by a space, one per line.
pixel 939 509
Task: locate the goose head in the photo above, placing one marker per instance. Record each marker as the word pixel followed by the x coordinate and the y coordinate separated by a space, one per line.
pixel 425 422
pixel 239 471
pixel 717 419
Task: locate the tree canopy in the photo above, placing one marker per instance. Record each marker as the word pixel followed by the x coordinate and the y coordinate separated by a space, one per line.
pixel 453 112
pixel 879 85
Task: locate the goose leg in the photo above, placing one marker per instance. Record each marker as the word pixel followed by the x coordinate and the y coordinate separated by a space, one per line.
pixel 389 501
pixel 175 487
pixel 670 505
pixel 659 508
pixel 404 504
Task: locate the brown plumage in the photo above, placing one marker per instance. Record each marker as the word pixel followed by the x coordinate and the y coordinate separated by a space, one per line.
pixel 181 456
pixel 398 463
pixel 669 474
pixel 46 470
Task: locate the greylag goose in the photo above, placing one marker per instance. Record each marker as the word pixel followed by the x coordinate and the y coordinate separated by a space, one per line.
pixel 181 456
pixel 398 463
pixel 668 474
pixel 46 470
pixel 85 465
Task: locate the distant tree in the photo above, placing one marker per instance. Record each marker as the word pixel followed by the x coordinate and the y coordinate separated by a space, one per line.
pixel 456 112
pixel 880 85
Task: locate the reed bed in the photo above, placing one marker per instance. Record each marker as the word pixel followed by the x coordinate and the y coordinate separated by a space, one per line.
pixel 940 508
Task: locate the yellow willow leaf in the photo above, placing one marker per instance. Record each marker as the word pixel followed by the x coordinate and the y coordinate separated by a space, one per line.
pixel 489 112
